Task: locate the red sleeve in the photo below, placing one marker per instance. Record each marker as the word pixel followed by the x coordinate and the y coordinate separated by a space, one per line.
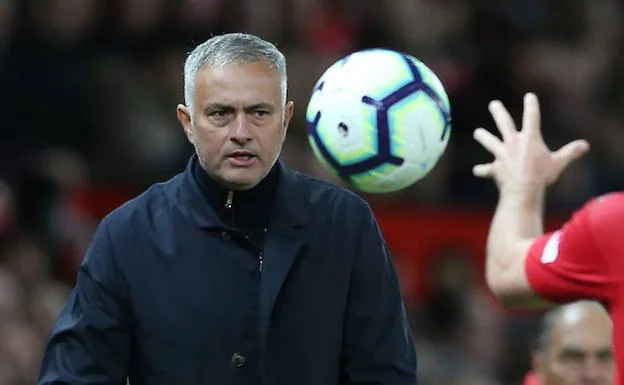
pixel 573 262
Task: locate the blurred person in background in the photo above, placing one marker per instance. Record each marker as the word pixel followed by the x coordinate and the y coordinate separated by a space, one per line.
pixel 573 347
pixel 239 269
pixel 22 345
pixel 59 33
pixel 459 333
pixel 526 267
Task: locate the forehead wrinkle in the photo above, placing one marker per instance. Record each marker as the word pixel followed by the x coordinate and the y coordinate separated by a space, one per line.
pixel 226 89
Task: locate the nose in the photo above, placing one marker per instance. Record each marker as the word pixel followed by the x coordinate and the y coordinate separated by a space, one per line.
pixel 240 130
pixel 593 373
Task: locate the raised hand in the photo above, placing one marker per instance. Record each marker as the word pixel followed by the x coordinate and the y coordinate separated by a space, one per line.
pixel 521 158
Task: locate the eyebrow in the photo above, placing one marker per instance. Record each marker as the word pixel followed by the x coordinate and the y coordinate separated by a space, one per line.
pixel 577 350
pixel 260 106
pixel 257 106
pixel 571 350
pixel 218 106
pixel 605 350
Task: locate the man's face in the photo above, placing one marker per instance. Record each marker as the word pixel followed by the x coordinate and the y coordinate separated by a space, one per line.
pixel 580 349
pixel 238 123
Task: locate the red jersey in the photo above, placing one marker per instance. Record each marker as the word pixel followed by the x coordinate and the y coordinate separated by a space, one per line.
pixel 585 260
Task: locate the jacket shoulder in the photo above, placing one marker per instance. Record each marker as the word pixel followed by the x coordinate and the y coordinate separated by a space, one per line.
pixel 146 207
pixel 328 195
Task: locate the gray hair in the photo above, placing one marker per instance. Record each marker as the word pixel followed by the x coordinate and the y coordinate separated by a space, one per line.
pixel 221 50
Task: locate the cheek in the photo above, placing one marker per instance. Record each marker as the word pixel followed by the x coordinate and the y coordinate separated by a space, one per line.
pixel 210 140
pixel 558 370
pixel 264 134
pixel 274 140
pixel 203 126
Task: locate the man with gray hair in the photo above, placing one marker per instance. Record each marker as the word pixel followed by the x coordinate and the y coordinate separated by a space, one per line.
pixel 238 270
pixel 574 347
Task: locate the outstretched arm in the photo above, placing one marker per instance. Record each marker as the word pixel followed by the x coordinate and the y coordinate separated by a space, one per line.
pixel 523 168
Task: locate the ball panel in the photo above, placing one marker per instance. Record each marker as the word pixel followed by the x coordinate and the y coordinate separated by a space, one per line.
pixel 377 180
pixel 360 145
pixel 437 92
pixel 411 173
pixel 317 100
pixel 410 121
pixel 375 72
pixel 314 105
pixel 431 79
pixel 347 132
pixel 387 178
pixel 319 155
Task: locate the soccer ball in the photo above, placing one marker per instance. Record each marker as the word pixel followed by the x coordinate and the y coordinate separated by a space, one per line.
pixel 379 120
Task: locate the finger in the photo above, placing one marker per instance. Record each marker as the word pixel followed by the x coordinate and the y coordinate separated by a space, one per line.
pixel 489 141
pixel 503 119
pixel 570 152
pixel 483 170
pixel 531 116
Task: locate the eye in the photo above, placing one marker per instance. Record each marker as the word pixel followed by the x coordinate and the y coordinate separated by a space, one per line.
pixel 220 117
pixel 219 114
pixel 572 356
pixel 261 113
pixel 605 355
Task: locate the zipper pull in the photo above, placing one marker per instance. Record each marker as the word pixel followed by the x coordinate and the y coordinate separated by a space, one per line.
pixel 260 261
pixel 229 199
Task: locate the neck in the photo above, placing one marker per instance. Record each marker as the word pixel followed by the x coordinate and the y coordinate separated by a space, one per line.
pixel 242 209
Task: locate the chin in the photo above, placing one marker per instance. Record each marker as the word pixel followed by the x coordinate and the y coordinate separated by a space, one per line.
pixel 239 183
pixel 241 186
pixel 243 178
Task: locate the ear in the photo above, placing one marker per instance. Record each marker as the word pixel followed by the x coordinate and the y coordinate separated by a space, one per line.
pixel 184 117
pixel 288 113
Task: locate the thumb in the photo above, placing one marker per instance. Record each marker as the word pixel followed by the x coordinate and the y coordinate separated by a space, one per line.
pixel 483 170
pixel 570 152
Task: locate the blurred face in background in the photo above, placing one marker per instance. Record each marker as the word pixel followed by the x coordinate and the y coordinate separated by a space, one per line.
pixel 579 350
pixel 199 15
pixel 237 123
pixel 142 17
pixel 22 343
pixel 7 20
pixel 11 301
pixel 65 21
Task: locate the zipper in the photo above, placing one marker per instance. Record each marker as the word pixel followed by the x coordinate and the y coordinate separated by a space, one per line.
pixel 261 253
pixel 228 205
pixel 229 199
pixel 260 261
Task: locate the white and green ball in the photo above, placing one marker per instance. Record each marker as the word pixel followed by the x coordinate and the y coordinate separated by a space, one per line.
pixel 379 119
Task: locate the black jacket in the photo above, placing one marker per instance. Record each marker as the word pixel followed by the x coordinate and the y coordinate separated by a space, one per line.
pixel 173 290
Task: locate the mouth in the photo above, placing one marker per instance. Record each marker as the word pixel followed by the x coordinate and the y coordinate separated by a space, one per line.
pixel 242 158
pixel 242 155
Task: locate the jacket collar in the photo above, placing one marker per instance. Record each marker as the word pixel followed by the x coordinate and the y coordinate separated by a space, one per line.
pixel 202 200
pixel 244 210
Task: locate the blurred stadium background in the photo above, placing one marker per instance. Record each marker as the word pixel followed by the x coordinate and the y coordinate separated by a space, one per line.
pixel 88 90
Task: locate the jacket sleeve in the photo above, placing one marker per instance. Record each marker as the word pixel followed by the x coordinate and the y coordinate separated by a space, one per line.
pixel 90 341
pixel 378 347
